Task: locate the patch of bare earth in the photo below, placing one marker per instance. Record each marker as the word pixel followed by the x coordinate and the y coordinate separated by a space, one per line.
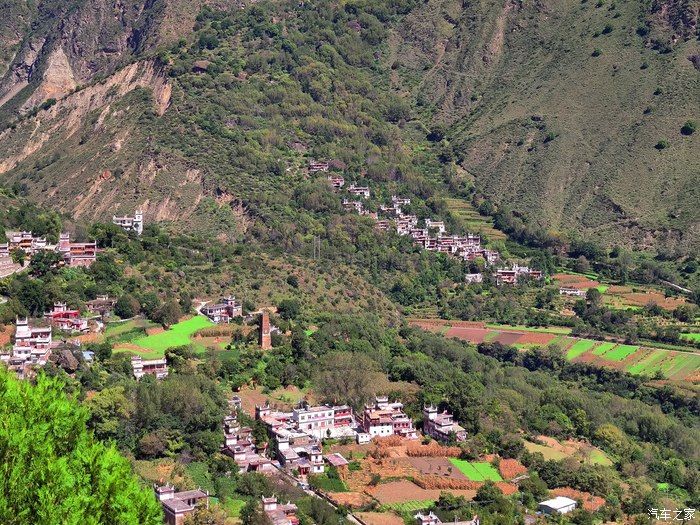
pixel 379 518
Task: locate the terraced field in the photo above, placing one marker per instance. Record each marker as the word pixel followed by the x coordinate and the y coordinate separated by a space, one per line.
pixel 477 471
pixel 674 364
pixel 472 220
pixel 635 359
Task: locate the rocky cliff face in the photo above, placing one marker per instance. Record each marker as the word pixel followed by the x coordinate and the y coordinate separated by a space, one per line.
pixel 50 48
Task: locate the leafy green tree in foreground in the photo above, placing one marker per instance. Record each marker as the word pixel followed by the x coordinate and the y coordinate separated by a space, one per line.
pixel 52 470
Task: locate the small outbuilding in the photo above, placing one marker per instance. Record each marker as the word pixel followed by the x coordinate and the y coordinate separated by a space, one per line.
pixel 558 505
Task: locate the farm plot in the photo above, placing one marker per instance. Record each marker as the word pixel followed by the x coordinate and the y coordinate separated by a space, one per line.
pixel 477 471
pixel 648 364
pixel 579 347
pixel 620 352
pixel 177 335
pixel 409 506
pixel 473 335
pixel 603 348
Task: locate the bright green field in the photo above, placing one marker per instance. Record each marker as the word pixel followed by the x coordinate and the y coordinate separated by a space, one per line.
pixel 114 330
pixel 579 347
pixel 695 337
pixel 233 507
pixel 620 352
pixel 649 364
pixel 477 471
pixel 603 348
pixel 598 457
pixel 408 506
pixel 177 335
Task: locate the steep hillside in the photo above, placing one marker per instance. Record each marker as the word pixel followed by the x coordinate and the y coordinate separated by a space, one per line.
pixel 553 109
pixel 556 108
pixel 50 47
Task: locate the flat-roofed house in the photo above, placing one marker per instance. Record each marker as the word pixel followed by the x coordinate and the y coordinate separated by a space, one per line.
pixel 155 367
pixel 441 425
pixel 386 418
pixel 129 223
pixel 222 312
pixel 558 505
pixel 31 348
pixel 177 505
pixel 67 319
pixel 77 254
pixel 278 513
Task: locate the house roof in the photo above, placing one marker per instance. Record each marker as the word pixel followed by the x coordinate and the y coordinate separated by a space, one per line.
pixel 559 502
pixel 336 459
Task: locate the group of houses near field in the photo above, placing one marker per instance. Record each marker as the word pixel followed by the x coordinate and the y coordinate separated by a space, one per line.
pixel 297 434
pixel 34 338
pixel 431 235
pixel 222 312
pixel 295 448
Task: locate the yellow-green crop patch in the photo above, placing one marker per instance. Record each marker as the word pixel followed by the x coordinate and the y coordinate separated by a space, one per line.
pixel 579 347
pixel 477 470
pixel 620 352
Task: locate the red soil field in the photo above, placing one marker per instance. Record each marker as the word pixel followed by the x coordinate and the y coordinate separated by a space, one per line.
pixel 473 335
pixel 435 467
pixel 537 338
pixel 509 338
pixel 379 518
pixel 575 281
pixel 404 490
pixel 511 468
pixel 350 499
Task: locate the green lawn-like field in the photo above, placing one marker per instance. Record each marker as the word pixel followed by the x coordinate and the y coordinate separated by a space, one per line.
pixel 408 506
pixel 547 452
pixel 117 329
pixel 620 352
pixel 477 471
pixel 579 347
pixel 598 457
pixel 233 507
pixel 649 364
pixel 695 337
pixel 603 348
pixel 177 335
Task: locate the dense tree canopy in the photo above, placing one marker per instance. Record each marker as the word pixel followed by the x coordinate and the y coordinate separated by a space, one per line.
pixel 53 470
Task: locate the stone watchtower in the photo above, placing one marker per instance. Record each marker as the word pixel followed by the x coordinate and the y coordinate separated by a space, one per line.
pixel 265 339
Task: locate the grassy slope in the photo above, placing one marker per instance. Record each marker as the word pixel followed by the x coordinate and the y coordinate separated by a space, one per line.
pixel 601 170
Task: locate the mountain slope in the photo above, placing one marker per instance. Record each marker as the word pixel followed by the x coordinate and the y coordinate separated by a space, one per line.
pixel 505 75
pixel 538 124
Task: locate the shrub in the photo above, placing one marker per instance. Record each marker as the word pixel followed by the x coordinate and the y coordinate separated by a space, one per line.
pixel 597 52
pixel 689 128
pixel 662 144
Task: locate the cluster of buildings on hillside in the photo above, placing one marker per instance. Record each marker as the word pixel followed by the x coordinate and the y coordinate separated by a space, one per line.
pixel 31 348
pixel 74 254
pixel 432 236
pixel 515 274
pixel 33 339
pixel 297 434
